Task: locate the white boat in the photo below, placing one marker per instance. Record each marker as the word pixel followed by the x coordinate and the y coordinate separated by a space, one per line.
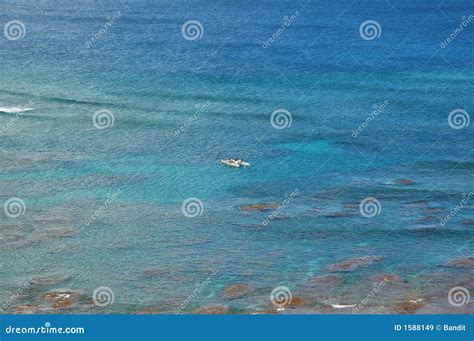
pixel 231 163
pixel 235 163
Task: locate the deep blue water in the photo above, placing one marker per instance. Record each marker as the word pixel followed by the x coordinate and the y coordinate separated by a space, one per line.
pixel 219 92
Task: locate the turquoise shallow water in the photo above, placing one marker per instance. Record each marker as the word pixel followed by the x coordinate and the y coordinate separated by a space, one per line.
pixel 219 93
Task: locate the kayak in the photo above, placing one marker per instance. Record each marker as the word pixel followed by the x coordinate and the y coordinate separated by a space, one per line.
pixel 235 163
pixel 230 163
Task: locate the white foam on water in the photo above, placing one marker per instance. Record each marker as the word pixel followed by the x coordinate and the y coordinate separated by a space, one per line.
pixel 14 110
pixel 341 306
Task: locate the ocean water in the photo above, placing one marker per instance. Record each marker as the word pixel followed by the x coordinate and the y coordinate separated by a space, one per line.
pixel 104 207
